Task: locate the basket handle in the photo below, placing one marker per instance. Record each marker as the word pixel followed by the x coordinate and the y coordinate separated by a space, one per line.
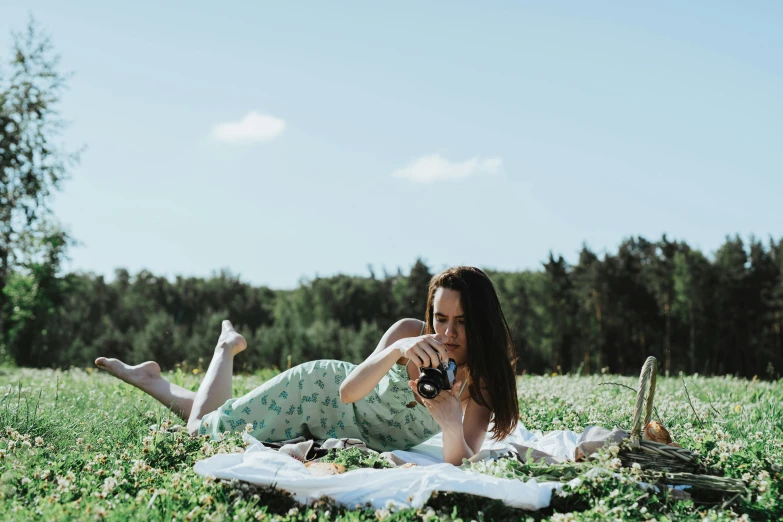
pixel 649 371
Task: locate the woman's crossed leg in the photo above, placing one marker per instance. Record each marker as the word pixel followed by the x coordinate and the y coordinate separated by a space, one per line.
pixel 213 391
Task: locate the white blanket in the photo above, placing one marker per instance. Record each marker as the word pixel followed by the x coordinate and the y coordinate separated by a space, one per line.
pixel 398 487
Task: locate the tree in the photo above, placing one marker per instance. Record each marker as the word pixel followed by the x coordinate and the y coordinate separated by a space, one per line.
pixel 588 288
pixel 32 165
pixel 561 307
pixel 691 300
pixel 660 281
pixel 410 292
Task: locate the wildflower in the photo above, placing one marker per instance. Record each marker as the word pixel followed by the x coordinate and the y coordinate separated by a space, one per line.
pixel 63 484
pixel 25 481
pixel 39 441
pixel 737 408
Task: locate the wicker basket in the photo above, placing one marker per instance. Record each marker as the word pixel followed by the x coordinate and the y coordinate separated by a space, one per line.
pixel 648 454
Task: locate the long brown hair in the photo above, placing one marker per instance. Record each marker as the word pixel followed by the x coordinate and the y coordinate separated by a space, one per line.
pixel 491 355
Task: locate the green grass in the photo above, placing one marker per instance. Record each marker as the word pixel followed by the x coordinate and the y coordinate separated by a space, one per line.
pixel 78 445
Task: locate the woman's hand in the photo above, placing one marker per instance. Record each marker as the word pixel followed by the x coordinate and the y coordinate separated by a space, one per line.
pixel 445 408
pixel 424 350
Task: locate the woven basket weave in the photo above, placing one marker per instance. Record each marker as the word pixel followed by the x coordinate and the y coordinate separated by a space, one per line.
pixel 648 454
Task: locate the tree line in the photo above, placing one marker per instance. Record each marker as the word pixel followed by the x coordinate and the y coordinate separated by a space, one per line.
pixel 605 313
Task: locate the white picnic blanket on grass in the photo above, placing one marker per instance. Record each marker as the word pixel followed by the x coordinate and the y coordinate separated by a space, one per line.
pixel 397 488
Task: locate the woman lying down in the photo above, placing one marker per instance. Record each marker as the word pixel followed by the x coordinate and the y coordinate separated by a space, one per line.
pixel 453 373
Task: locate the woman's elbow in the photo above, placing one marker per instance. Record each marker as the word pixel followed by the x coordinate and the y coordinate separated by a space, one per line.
pixel 345 395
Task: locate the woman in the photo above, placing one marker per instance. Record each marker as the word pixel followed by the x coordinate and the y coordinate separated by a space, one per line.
pixel 376 401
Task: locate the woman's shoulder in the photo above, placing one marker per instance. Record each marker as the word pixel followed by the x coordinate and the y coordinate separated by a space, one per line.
pixel 406 328
pixel 402 329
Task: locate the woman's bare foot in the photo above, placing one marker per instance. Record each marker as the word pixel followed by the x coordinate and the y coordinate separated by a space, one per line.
pixel 138 375
pixel 230 339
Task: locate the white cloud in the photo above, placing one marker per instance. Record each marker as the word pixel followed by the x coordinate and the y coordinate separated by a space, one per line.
pixel 253 127
pixel 429 169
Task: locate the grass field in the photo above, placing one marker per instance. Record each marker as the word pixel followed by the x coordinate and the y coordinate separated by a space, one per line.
pixel 81 445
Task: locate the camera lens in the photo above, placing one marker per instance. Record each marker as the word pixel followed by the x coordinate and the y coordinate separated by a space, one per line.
pixel 428 389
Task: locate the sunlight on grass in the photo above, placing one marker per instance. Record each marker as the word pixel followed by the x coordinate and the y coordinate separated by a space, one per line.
pixel 79 444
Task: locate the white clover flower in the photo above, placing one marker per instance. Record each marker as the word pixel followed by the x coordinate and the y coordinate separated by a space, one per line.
pixel 109 484
pixel 63 484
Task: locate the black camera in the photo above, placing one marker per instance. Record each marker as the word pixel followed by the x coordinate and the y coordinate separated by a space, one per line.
pixel 433 380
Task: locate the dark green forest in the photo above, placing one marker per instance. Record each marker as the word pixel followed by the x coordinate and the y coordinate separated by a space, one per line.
pixel 606 313
pixel 716 314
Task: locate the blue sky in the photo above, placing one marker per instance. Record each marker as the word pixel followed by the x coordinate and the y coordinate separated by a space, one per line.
pixel 284 140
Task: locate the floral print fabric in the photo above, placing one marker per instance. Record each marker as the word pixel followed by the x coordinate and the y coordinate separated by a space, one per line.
pixel 305 401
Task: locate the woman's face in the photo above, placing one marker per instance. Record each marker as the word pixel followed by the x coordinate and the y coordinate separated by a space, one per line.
pixel 449 322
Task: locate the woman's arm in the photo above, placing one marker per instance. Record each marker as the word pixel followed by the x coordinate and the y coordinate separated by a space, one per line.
pixel 462 437
pixel 368 374
pixel 476 422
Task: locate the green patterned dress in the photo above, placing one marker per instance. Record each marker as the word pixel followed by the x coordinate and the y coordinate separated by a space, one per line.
pixel 306 399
